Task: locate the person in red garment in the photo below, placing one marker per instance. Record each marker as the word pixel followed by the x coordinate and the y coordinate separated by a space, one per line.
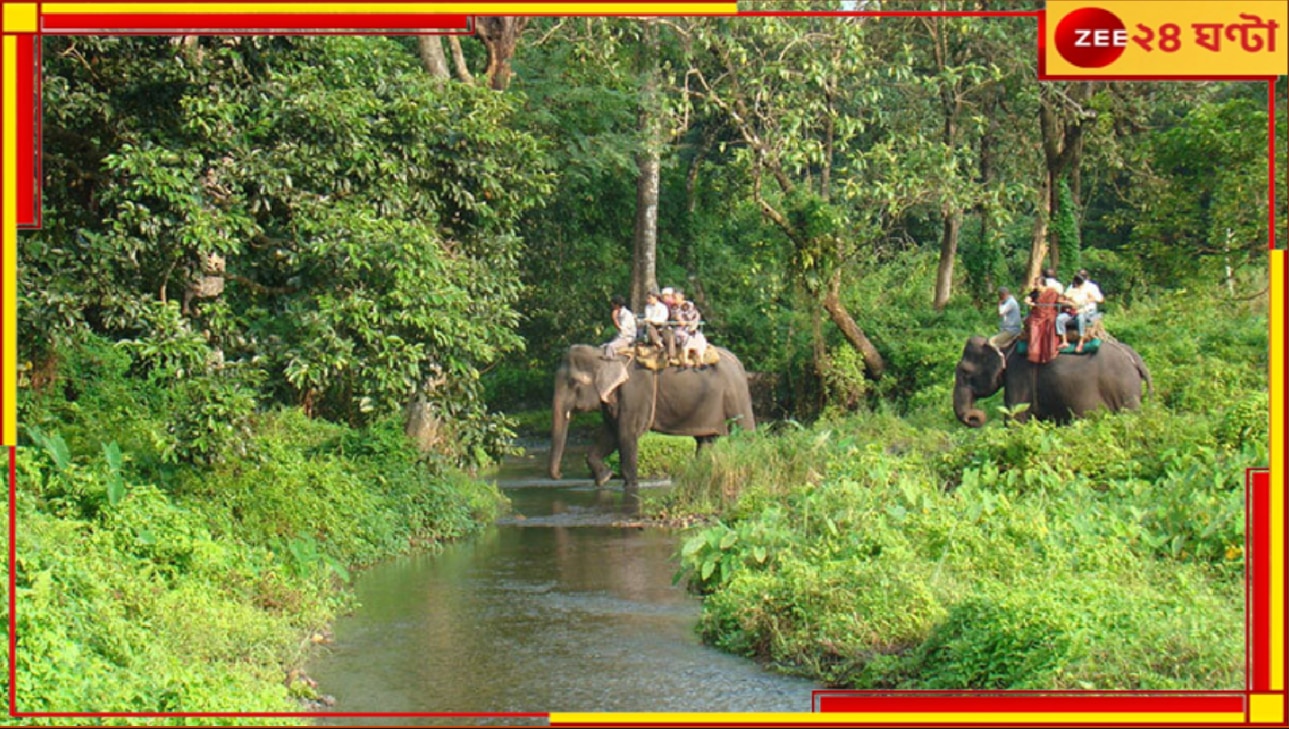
pixel 1042 344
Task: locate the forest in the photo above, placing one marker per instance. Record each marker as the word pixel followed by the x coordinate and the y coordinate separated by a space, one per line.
pixel 263 257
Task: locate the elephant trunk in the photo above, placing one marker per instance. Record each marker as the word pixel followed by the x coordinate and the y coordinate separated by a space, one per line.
pixel 964 404
pixel 559 432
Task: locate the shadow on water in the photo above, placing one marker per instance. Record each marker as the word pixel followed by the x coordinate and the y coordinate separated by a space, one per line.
pixel 554 611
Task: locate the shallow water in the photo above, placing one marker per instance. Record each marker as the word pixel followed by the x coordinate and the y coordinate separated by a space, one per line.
pixel 552 609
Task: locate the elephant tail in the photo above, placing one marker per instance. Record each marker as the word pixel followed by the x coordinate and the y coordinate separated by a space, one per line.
pixel 1144 372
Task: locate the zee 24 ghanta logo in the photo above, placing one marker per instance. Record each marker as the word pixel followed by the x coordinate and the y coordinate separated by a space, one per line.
pixel 1095 37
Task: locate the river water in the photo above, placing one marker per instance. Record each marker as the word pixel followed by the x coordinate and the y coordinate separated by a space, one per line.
pixel 551 609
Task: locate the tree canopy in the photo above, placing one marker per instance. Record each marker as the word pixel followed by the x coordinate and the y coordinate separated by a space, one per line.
pixel 345 224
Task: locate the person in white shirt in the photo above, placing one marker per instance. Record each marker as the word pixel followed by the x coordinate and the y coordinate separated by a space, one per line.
pixel 1082 301
pixel 1093 289
pixel 655 319
pixel 1009 323
pixel 625 322
pixel 1050 281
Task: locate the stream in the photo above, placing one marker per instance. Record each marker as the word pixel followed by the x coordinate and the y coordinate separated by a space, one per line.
pixel 553 608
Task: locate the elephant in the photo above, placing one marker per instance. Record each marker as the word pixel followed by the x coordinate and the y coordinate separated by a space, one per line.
pixel 695 402
pixel 1068 386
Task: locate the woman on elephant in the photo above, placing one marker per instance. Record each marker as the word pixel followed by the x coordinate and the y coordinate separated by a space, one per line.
pixel 625 322
pixel 1042 344
pixel 679 333
pixel 695 343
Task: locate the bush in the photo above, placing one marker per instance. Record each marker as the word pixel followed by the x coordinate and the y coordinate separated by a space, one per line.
pixel 898 549
pixel 152 584
pixel 659 456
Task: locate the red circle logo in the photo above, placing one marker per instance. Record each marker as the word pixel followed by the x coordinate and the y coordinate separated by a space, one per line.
pixel 1091 37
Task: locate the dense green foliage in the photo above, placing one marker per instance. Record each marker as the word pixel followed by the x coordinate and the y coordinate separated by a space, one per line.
pixel 896 548
pixel 262 250
pixel 149 586
pixel 366 218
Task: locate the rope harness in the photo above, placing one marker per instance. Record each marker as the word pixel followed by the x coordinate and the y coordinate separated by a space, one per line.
pixel 653 407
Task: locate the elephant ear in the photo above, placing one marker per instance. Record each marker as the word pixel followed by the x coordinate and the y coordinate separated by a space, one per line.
pixel 609 378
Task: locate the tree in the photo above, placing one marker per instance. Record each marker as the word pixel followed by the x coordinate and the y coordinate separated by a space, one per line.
pixel 500 35
pixel 1062 113
pixel 644 257
pixel 815 106
pixel 366 215
pixel 431 49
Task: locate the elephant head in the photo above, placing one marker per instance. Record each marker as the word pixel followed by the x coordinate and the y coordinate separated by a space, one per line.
pixel 979 374
pixel 574 393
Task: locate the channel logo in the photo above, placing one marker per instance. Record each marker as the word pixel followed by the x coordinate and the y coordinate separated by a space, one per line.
pixel 1091 37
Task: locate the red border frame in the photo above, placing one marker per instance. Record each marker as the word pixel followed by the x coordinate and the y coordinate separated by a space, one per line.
pixel 1258 518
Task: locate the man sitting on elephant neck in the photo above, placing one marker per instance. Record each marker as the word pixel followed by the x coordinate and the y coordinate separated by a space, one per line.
pixel 1009 323
pixel 625 322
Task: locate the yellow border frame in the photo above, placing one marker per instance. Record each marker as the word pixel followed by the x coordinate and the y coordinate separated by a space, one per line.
pixel 24 18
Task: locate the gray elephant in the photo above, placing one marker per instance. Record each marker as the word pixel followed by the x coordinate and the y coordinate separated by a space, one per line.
pixel 633 400
pixel 1068 386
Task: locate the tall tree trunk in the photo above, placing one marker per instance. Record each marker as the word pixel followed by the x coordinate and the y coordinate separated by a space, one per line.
pixel 986 180
pixel 1053 209
pixel 951 213
pixel 500 36
pixel 837 312
pixel 431 51
pixel 644 257
pixel 819 359
pixel 458 61
pixel 1038 240
pixel 948 252
pixel 707 140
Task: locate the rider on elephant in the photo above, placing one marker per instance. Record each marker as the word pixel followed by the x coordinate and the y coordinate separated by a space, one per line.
pixel 1009 323
pixel 695 344
pixel 1042 343
pixel 655 319
pixel 1081 298
pixel 625 323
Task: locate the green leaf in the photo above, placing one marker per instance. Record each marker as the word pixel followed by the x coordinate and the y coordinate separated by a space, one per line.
pixel 115 489
pixel 729 539
pixel 709 566
pixel 692 546
pixel 112 452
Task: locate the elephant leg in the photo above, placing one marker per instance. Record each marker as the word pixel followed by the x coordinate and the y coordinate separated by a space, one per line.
pixel 703 441
pixel 628 456
pixel 605 444
pixel 1019 389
